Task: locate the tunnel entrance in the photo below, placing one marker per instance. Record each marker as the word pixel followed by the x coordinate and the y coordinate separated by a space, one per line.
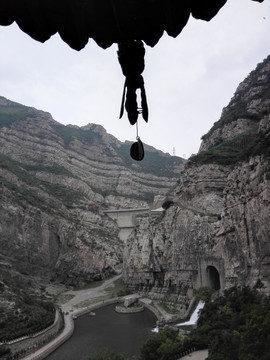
pixel 213 277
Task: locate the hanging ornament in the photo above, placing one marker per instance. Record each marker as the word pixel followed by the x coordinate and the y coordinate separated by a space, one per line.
pixel 137 149
pixel 131 58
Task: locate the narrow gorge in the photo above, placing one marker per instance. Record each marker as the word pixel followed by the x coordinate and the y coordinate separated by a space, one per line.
pixel 215 230
pixel 56 184
pixel 59 183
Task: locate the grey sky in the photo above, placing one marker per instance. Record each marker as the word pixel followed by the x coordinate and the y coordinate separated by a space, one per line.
pixel 188 79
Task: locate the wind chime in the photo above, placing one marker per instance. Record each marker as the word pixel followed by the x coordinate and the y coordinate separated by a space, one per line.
pixel 131 58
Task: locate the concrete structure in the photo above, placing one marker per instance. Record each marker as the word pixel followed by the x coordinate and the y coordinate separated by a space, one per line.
pixel 129 310
pixel 211 273
pixel 43 352
pixel 126 219
pixel 131 299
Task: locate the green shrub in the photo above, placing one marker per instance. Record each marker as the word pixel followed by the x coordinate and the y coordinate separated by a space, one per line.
pixel 69 133
pixel 10 115
pixel 236 326
pixel 232 151
pixel 4 351
pixel 153 162
pixel 204 293
pixel 166 344
pixel 34 316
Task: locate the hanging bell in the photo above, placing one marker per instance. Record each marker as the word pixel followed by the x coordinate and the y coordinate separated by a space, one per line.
pixel 137 150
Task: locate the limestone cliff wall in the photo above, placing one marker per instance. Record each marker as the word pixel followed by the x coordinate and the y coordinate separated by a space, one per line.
pixel 217 231
pixel 55 182
pixel 73 247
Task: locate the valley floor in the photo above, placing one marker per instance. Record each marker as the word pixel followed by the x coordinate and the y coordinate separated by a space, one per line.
pixel 82 298
pixel 76 302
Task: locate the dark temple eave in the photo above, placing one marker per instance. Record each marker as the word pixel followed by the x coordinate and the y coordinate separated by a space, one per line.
pixel 105 21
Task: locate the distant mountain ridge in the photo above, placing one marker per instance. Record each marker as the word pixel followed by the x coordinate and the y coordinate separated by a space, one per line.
pixel 92 134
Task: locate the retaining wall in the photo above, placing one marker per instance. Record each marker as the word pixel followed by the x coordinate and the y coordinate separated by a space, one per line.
pixel 28 344
pixel 156 312
pixel 129 310
pixel 43 352
pixel 50 347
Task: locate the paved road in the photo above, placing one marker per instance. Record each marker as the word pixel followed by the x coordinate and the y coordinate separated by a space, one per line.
pixel 55 343
pixel 197 355
pixel 83 295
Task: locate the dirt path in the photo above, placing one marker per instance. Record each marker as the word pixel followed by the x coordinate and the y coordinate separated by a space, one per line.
pixel 82 296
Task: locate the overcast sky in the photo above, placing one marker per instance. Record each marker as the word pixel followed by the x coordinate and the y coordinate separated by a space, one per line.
pixel 188 80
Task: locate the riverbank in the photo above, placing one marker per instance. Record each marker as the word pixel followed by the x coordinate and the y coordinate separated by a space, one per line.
pixel 77 303
pixel 23 346
pixel 43 352
pixel 122 333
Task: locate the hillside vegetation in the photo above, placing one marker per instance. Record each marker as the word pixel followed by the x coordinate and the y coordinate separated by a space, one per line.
pixel 22 310
pixel 238 149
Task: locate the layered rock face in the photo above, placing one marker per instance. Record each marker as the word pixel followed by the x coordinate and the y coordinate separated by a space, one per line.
pixel 217 230
pixel 55 182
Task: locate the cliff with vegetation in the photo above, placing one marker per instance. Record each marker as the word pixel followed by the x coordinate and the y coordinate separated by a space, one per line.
pixel 55 183
pixel 215 230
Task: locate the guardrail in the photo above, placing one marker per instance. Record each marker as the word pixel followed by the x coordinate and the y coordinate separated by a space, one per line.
pixel 26 344
pixel 50 347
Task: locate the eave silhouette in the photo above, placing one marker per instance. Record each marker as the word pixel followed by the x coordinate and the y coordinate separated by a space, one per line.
pixel 105 21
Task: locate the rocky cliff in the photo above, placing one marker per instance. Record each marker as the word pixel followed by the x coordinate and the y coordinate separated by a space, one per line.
pixel 55 182
pixel 216 230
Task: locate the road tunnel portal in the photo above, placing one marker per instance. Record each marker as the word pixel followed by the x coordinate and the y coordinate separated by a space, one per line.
pixel 213 277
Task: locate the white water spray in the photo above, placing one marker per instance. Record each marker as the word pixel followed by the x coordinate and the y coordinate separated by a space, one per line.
pixel 193 319
pixel 195 315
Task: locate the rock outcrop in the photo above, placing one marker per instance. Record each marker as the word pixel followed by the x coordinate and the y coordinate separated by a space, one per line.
pixel 56 181
pixel 216 231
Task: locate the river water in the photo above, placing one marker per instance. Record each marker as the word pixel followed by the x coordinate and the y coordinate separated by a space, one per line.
pixel 123 333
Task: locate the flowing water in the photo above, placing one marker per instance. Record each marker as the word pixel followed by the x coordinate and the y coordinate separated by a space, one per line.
pixel 108 329
pixel 195 315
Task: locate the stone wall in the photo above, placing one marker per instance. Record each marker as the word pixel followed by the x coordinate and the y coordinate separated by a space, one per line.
pixel 129 310
pixel 27 344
